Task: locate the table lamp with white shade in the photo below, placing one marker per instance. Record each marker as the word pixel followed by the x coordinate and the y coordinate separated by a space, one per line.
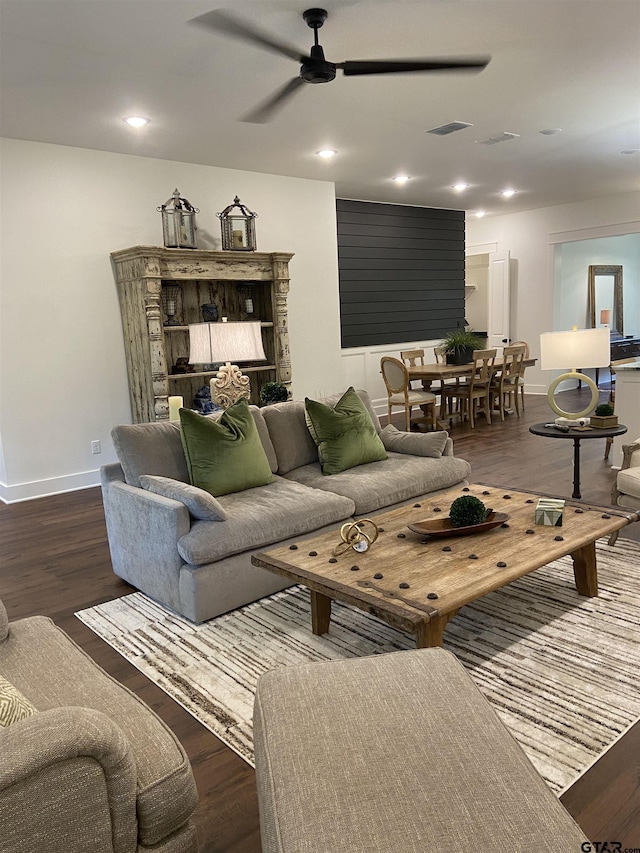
pixel 577 349
pixel 211 343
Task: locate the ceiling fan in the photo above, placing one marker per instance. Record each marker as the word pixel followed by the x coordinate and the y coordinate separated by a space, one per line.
pixel 314 67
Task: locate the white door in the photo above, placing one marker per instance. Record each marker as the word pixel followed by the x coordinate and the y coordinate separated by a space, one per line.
pixel 498 297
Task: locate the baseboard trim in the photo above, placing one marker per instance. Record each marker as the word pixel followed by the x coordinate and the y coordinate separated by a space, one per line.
pixel 52 486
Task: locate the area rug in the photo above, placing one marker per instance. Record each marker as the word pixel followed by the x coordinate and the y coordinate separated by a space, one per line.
pixel 560 669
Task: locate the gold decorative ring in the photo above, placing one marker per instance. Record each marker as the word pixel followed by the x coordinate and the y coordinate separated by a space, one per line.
pixel 353 536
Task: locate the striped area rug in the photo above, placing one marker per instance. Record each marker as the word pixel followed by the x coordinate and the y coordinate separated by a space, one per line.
pixel 560 670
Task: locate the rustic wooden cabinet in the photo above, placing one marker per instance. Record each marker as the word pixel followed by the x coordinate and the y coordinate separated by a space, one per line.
pixel 243 286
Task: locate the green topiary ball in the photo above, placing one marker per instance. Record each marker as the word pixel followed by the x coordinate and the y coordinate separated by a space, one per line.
pixel 466 511
pixel 603 410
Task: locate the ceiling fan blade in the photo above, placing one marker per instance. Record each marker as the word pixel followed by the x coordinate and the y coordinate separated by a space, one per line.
pixel 221 22
pixel 395 66
pixel 263 112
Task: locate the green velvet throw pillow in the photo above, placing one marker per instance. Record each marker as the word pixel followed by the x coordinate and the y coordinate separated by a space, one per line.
pixel 224 455
pixel 345 435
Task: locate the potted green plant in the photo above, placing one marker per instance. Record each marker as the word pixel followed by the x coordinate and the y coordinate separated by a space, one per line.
pixel 603 417
pixel 460 344
pixel 273 392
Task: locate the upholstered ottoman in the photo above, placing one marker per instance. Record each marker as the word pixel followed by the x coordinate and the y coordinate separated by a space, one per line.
pixel 397 752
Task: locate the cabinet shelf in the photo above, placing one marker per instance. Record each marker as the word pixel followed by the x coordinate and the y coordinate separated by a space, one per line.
pixel 174 376
pixel 263 324
pixel 226 279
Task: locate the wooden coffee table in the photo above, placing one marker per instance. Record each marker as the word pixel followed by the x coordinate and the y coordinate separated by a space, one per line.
pixel 418 584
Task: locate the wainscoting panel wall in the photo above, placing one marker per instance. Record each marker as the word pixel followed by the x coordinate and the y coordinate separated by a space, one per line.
pixel 401 272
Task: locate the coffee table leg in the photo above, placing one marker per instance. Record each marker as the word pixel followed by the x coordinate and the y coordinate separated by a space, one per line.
pixel 585 570
pixel 320 612
pixel 429 634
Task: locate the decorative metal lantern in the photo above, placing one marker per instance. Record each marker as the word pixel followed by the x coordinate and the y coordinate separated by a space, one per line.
pixel 171 295
pixel 238 229
pixel 178 222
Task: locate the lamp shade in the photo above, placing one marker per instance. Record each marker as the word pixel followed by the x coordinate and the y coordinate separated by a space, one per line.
pixel 216 342
pixel 579 348
pixel 605 316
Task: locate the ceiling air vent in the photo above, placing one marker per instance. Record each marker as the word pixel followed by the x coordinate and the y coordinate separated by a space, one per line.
pixel 499 137
pixel 445 129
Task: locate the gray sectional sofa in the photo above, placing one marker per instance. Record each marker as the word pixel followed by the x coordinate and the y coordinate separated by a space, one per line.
pixel 199 567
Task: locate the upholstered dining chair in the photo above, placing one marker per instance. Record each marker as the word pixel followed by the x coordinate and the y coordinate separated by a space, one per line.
pixel 505 382
pixel 474 396
pixel 400 393
pixel 526 356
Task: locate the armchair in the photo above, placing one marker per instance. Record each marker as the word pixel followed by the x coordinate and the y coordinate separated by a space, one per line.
pixel 86 766
pixel 626 489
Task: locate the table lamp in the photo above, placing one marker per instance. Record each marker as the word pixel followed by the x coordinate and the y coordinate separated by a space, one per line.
pixel 226 342
pixel 578 349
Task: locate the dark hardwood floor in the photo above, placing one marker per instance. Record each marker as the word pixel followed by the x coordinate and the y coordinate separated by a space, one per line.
pixel 54 560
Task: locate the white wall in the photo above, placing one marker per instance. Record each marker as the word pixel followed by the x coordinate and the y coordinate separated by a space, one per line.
pixel 62 370
pixel 530 237
pixel 571 279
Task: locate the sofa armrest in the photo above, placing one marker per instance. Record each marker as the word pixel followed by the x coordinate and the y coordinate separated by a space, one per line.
pixel 143 530
pixel 67 784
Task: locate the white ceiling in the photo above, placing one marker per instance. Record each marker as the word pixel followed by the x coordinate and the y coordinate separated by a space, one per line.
pixel 72 69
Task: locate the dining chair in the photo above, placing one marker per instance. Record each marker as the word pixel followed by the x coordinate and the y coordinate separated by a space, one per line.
pixel 526 355
pixel 474 397
pixel 412 357
pixel 400 393
pixel 440 353
pixel 505 382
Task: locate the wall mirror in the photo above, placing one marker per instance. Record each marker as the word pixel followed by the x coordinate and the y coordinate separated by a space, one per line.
pixel 605 297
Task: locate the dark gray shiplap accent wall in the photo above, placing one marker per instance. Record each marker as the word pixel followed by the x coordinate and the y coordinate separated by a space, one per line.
pixel 401 272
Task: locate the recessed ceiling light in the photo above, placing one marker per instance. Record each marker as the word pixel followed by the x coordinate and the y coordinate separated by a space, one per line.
pixel 507 193
pixel 401 179
pixel 460 187
pixel 480 213
pixel 136 121
pixel 326 153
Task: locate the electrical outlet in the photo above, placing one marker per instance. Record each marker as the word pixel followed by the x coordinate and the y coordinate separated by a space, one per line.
pixel 95 447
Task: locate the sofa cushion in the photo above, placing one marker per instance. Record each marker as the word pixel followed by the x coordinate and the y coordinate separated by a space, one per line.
pixel 200 504
pixel 344 433
pixel 156 448
pixel 628 482
pixel 262 516
pixel 224 455
pixel 393 480
pixel 414 443
pixel 13 705
pixel 290 436
pixel 53 672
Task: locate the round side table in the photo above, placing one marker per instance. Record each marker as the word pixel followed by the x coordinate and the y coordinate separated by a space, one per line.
pixel 577 435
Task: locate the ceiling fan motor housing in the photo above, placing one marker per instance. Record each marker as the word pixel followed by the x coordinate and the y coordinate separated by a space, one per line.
pixel 316 69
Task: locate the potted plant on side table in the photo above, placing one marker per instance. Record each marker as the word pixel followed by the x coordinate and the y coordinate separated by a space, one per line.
pixel 603 417
pixel 460 344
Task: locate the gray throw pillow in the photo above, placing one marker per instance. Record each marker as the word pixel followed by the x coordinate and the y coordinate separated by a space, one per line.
pixel 414 443
pixel 200 504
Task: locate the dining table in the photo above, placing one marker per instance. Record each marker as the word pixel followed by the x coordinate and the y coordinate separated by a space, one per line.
pixel 428 373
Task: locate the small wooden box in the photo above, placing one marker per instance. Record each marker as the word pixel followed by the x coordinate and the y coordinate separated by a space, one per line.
pixel 549 512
